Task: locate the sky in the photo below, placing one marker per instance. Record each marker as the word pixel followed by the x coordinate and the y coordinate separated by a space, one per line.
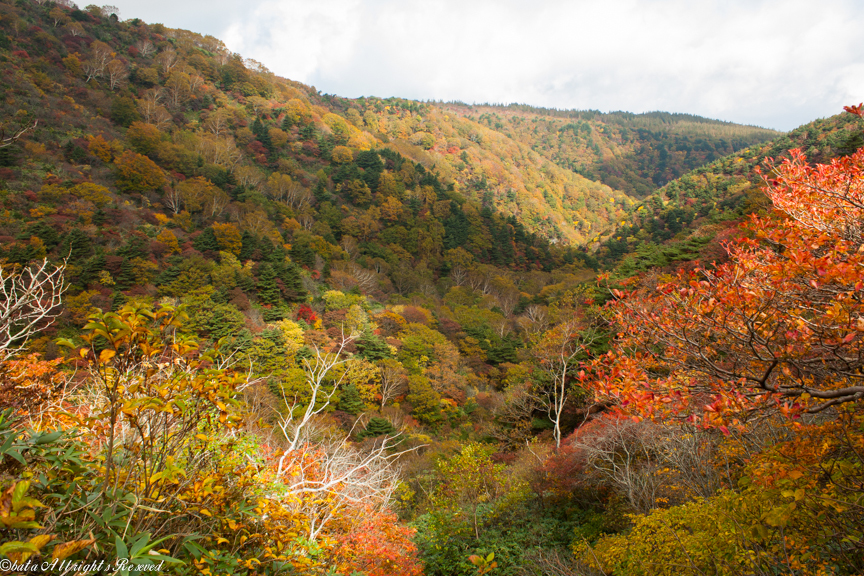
pixel 771 63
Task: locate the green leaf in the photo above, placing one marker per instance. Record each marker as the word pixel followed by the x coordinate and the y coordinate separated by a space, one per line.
pixel 120 546
pixel 18 547
pixel 19 491
pixel 28 525
pixel 49 438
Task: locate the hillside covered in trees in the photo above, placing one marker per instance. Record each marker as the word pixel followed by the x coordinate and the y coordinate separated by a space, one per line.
pixel 690 216
pixel 247 328
pixel 635 153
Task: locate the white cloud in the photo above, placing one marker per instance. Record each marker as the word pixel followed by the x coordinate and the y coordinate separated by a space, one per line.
pixel 776 63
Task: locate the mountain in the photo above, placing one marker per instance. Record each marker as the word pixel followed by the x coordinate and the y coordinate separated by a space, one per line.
pixel 686 218
pixel 634 153
pixel 308 334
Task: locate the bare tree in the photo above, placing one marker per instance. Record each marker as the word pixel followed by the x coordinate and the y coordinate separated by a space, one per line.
pixel 394 380
pixel 513 417
pixel 222 56
pixel 296 196
pixel 624 453
pixel 75 29
pixel 555 562
pixel 167 59
pixel 177 88
pixel 349 244
pixel 95 66
pixel 173 199
pixel 117 73
pixel 535 320
pixel 220 151
pixel 459 275
pixel 145 47
pixel 695 456
pixel 17 133
pixel 29 302
pixel 330 473
pixel 558 351
pixel 294 427
pixel 195 80
pixel 109 10
pixel 479 280
pixel 247 176
pixel 216 203
pixel 307 220
pixel 363 278
pixel 58 16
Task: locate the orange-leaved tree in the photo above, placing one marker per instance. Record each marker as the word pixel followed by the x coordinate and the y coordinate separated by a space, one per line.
pixel 780 326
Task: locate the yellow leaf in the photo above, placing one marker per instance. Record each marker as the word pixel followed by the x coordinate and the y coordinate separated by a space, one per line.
pixel 63 551
pixel 41 540
pixel 106 355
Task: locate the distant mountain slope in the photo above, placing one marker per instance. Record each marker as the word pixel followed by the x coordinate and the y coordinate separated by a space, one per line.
pixel 488 166
pixel 688 213
pixel 159 163
pixel 75 71
pixel 635 153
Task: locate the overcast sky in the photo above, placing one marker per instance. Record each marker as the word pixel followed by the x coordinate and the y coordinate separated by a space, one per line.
pixel 772 63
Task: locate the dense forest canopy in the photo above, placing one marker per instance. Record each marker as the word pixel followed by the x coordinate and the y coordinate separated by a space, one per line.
pixel 249 328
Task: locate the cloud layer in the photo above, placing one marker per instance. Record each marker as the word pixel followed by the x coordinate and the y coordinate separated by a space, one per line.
pixel 771 63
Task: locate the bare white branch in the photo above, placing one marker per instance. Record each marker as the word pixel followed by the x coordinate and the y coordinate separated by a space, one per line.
pixel 29 302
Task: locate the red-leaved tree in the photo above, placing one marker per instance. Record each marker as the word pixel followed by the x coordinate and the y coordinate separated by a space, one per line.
pixel 780 326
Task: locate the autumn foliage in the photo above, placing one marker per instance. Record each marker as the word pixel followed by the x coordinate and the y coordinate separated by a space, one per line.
pixel 779 327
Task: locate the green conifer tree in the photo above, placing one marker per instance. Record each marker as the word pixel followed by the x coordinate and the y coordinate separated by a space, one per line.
pixel 377 426
pixel 350 401
pixel 206 241
pixel 266 287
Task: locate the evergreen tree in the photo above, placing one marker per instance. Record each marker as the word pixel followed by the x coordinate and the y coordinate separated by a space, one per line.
pixel 266 287
pixel 249 246
pixel 266 248
pixel 262 134
pixel 90 270
pixel 307 132
pixel 73 153
pixel 377 426
pixel 124 111
pixel 135 247
pixel 350 401
pixel 126 278
pixel 292 283
pixel 372 347
pixel 244 282
pixel 320 191
pixel 372 167
pixel 302 254
pixel 457 228
pixel 44 232
pixel 276 313
pixel 9 155
pixel 99 217
pixel 206 241
pixel 77 245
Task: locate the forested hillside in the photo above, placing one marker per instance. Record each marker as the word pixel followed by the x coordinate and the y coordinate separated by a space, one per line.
pixel 689 217
pixel 635 153
pixel 247 328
